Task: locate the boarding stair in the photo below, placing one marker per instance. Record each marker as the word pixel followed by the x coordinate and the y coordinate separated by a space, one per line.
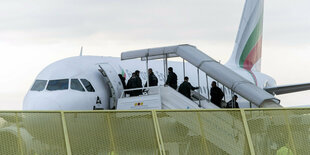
pixel 220 73
pixel 159 97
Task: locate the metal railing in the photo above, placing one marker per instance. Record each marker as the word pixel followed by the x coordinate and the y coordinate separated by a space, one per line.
pixel 223 131
pixel 144 90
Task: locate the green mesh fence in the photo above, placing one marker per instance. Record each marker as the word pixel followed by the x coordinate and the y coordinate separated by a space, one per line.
pixel 167 132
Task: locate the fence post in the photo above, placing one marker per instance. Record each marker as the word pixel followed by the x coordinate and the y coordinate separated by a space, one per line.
pixel 290 137
pixel 64 125
pixel 111 132
pixel 20 144
pixel 158 134
pixel 247 131
pixel 202 133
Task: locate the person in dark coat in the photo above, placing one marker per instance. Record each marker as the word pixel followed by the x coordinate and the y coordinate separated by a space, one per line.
pixel 137 83
pixel 122 80
pixel 216 94
pixel 153 81
pixel 186 87
pixel 233 103
pixel 131 84
pixel 172 79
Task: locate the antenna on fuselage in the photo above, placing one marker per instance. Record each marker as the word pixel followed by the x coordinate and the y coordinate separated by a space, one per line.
pixel 81 52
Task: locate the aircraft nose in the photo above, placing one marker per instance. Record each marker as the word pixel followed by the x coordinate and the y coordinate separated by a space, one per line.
pixel 40 102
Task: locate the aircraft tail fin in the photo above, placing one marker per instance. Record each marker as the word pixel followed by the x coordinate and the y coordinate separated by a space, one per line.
pixel 248 45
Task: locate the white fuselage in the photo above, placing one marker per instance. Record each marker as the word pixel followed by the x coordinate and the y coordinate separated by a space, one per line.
pixel 86 67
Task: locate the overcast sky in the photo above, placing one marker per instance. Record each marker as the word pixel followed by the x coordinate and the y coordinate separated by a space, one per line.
pixel 35 33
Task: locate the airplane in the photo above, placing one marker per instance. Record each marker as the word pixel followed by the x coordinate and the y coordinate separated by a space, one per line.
pixel 78 83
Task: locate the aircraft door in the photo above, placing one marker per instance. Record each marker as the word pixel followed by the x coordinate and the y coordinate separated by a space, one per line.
pixel 113 82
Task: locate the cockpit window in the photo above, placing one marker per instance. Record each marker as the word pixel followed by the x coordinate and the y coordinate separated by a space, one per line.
pixel 58 84
pixel 76 85
pixel 39 85
pixel 88 85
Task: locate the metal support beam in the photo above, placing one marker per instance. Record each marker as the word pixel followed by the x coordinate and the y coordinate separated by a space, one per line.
pixel 111 133
pixel 147 72
pixel 20 144
pixel 183 68
pixel 208 90
pixel 166 67
pixel 247 132
pixel 291 143
pixel 203 135
pixel 64 125
pixel 199 87
pixel 158 134
pixel 224 93
pixel 233 102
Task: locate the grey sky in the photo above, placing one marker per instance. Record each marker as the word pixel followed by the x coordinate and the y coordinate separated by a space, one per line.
pixel 36 33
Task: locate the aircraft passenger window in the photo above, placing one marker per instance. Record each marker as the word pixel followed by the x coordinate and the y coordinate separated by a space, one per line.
pixel 39 85
pixel 58 84
pixel 76 85
pixel 88 85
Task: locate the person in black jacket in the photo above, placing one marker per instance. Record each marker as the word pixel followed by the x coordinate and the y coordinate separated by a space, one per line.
pixel 172 79
pixel 216 95
pixel 153 81
pixel 233 103
pixel 131 84
pixel 186 87
pixel 137 83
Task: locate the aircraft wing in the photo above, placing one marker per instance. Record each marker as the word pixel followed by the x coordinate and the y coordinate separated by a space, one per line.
pixel 279 90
